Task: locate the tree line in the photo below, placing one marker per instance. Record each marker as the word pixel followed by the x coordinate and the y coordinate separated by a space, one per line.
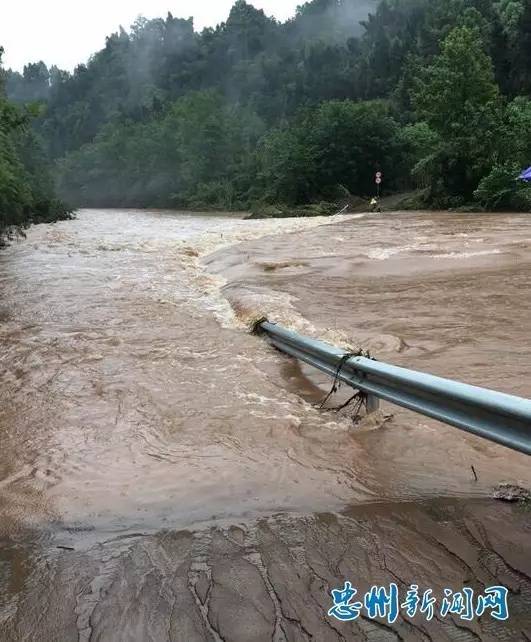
pixel 27 192
pixel 254 113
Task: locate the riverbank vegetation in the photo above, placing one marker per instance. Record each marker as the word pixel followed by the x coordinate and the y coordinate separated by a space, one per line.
pixel 266 115
pixel 26 185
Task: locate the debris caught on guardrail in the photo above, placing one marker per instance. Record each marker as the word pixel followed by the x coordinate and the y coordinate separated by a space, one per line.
pixel 512 494
pixel 496 416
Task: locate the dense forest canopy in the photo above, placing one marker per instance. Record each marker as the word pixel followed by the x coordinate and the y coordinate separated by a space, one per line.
pixel 434 93
pixel 27 192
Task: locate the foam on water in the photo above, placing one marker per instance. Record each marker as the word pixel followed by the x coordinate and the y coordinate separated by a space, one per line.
pixel 467 255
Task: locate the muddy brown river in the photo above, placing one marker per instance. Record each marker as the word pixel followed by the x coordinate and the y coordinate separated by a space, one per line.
pixel 166 475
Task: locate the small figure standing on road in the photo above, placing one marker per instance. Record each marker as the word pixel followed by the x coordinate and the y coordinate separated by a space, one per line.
pixel 375 205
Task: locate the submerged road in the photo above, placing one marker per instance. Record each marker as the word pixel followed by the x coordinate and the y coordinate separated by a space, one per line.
pixel 164 475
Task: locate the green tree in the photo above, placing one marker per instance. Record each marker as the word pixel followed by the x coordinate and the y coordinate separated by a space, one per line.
pixel 511 13
pixel 26 188
pixel 256 110
pixel 459 99
pixel 199 153
pixel 333 149
pixel 499 189
pixel 287 165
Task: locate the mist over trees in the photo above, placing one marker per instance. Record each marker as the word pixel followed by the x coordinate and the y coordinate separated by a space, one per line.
pixel 434 93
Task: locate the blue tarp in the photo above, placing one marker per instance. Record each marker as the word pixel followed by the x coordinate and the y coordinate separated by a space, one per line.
pixel 526 175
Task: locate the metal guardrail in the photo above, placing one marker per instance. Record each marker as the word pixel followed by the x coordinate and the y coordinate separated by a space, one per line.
pixel 495 416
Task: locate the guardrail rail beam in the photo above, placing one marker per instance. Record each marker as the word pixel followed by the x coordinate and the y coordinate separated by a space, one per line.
pixel 498 417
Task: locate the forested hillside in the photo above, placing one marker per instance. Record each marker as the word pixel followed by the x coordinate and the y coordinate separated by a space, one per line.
pixel 26 184
pixel 433 93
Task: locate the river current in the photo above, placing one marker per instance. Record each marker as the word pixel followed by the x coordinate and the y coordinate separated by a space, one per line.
pixel 144 429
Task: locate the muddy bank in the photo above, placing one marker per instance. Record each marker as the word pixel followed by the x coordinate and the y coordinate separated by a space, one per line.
pixel 271 580
pixel 165 475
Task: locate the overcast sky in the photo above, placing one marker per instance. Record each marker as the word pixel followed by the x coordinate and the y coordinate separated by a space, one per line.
pixel 66 32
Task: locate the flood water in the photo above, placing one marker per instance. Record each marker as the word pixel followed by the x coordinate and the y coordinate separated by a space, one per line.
pixel 166 475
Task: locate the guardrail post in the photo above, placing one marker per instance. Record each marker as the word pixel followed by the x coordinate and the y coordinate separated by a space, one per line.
pixel 501 418
pixel 373 404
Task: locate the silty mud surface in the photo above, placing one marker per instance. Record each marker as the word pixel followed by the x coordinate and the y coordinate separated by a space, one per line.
pixel 164 475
